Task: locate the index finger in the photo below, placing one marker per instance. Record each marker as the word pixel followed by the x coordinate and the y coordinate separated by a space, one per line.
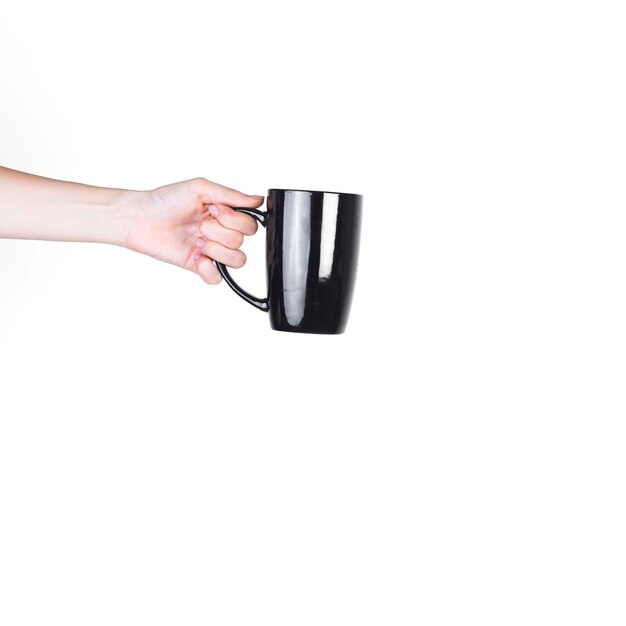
pixel 235 220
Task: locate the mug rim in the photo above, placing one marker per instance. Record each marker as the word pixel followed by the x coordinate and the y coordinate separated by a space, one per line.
pixel 335 193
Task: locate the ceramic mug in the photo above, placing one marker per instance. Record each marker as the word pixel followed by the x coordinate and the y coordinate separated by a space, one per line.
pixel 312 250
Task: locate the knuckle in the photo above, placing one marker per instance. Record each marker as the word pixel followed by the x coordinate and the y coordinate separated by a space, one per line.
pixel 200 184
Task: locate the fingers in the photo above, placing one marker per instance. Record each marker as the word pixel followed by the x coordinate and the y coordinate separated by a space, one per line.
pixel 218 252
pixel 206 269
pixel 223 232
pixel 232 219
pixel 214 231
pixel 212 193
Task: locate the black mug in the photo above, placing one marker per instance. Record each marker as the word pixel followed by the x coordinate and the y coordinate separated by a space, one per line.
pixel 312 250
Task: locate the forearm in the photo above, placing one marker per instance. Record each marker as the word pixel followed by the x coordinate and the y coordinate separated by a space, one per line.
pixel 34 207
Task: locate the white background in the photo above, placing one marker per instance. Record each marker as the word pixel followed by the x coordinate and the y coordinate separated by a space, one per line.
pixel 457 457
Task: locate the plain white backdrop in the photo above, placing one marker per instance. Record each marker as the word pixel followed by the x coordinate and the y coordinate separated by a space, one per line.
pixel 457 457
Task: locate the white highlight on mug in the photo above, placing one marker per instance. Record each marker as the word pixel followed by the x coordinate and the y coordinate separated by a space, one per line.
pixel 329 230
pixel 297 224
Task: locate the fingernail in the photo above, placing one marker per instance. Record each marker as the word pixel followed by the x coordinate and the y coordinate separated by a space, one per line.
pixel 259 197
pixel 214 211
pixel 200 243
pixel 197 257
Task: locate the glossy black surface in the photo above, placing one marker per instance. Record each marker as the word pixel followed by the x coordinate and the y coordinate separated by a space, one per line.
pixel 312 253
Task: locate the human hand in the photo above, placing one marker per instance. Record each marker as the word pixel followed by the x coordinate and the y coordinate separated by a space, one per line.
pixel 191 224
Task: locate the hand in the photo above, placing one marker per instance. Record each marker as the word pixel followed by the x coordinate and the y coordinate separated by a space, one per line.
pixel 191 224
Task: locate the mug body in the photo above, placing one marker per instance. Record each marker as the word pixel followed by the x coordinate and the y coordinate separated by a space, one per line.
pixel 312 253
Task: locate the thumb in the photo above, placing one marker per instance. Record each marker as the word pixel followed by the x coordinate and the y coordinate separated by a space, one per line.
pixel 212 193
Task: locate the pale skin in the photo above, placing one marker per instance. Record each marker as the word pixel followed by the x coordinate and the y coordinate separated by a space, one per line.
pixel 190 224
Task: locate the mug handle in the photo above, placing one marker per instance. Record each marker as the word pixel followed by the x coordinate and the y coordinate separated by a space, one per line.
pixel 259 303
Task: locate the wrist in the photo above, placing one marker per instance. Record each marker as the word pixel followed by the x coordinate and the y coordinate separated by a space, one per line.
pixel 119 214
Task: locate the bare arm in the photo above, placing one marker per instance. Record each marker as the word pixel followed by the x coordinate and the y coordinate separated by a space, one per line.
pixel 34 207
